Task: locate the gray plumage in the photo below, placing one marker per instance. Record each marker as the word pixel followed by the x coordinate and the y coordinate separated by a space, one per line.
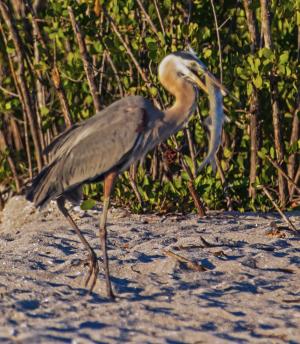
pixel 103 146
pixel 88 150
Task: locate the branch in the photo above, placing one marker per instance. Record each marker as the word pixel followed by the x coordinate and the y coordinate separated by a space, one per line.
pixel 132 180
pixel 55 75
pixel 9 92
pixel 289 223
pixel 254 110
pixel 26 99
pixel 224 183
pixel 219 40
pixel 17 85
pixel 129 52
pixel 148 18
pixel 86 60
pixel 296 180
pixel 113 67
pixel 10 161
pixel 294 137
pixel 191 187
pixel 189 263
pixel 191 149
pixel 252 25
pixel 279 168
pixel 276 114
pixel 159 18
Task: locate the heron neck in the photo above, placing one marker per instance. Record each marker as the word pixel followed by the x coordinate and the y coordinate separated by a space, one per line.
pixel 185 99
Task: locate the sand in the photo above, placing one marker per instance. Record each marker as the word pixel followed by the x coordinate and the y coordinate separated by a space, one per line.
pixel 248 293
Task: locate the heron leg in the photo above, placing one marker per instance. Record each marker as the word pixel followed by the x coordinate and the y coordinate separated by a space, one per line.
pixel 108 186
pixel 93 262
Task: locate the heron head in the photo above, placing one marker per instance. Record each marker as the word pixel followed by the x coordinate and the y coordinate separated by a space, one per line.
pixel 186 65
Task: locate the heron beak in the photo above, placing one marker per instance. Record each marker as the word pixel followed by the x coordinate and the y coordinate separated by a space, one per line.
pixel 196 80
pixel 203 71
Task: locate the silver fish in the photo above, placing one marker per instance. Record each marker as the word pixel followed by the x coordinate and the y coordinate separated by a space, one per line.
pixel 216 120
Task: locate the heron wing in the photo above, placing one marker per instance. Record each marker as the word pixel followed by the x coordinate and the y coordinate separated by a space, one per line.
pixel 102 142
pixel 59 140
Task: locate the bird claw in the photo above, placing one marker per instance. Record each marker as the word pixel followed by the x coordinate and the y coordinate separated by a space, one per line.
pixel 111 295
pixel 92 262
pixel 93 271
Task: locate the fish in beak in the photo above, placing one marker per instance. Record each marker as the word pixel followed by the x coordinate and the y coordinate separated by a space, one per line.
pixel 215 122
pixel 202 71
pixel 215 90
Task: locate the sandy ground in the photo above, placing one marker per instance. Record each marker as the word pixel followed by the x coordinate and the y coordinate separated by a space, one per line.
pixel 248 293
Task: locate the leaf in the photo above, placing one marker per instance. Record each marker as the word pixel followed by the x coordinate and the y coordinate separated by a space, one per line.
pixel 153 91
pixel 227 153
pixel 8 105
pixel 10 48
pixel 283 58
pixel 87 204
pixel 281 69
pixel 44 111
pixel 89 99
pixel 262 153
pixel 272 152
pixel 257 63
pixel 249 89
pixel 207 53
pixel 167 4
pixel 258 82
pixel 98 46
pixel 265 52
pixel 251 63
pixel 239 71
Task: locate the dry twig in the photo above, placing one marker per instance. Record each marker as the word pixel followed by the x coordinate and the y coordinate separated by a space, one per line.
pixel 189 263
pixel 206 243
pixel 290 180
pixel 147 17
pixel 267 193
pixel 219 40
pixel 159 18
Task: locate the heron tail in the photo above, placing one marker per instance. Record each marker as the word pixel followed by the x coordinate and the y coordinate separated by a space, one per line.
pixel 44 186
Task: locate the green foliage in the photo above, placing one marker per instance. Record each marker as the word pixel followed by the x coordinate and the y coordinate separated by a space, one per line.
pixel 242 72
pixel 88 204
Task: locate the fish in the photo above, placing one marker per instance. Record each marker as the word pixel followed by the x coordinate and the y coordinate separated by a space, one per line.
pixel 214 122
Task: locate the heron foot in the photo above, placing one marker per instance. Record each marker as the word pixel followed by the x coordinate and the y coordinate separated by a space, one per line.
pixel 93 271
pixel 110 294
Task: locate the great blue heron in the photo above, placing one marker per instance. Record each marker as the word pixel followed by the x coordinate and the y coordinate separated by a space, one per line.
pixel 106 144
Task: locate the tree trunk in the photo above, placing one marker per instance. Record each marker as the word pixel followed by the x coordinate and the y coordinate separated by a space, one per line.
pixel 26 98
pixel 294 138
pixel 276 115
pixel 40 88
pixel 55 75
pixel 255 134
pixel 10 160
pixel 16 134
